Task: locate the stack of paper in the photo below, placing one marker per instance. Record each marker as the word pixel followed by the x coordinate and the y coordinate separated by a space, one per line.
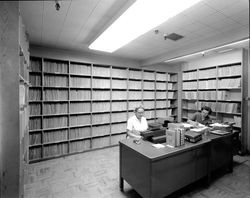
pixel 158 146
pixel 219 132
pixel 219 125
pixel 200 129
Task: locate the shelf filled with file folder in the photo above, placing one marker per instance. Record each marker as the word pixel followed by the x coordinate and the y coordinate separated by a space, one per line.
pixel 77 106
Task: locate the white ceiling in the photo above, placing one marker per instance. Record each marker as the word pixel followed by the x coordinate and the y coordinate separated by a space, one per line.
pixel 208 24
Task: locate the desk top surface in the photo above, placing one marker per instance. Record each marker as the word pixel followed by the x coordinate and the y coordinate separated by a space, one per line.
pixel 146 149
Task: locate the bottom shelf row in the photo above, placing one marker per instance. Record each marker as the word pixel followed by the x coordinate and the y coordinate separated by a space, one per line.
pixel 59 142
pixel 65 148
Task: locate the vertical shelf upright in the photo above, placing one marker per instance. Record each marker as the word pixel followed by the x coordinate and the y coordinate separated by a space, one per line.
pixel 161 96
pixel 189 93
pixel 35 104
pixel 135 91
pixel 207 85
pixel 148 99
pixel 230 93
pixel 79 107
pixel 101 118
pixel 55 115
pixel 119 103
pixel 230 100
pixel 172 96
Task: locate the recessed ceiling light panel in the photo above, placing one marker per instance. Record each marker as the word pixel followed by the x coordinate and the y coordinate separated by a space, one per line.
pixel 174 37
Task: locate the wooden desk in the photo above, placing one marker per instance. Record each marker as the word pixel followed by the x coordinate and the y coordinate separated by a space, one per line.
pixel 157 173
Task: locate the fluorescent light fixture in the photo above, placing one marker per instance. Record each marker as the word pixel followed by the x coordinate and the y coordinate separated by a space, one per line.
pixel 225 50
pixel 208 50
pixel 228 45
pixel 185 56
pixel 138 19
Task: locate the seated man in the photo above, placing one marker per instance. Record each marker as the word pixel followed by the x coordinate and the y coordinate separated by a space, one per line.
pixel 137 123
pixel 201 117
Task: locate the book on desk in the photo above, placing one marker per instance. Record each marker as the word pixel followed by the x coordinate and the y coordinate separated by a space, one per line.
pixel 175 137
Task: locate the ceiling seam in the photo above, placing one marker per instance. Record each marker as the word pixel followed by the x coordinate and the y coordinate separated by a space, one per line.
pixel 83 26
pixel 219 11
pixel 60 32
pixel 42 24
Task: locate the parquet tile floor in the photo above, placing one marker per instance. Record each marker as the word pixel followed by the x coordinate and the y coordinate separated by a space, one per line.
pixel 95 174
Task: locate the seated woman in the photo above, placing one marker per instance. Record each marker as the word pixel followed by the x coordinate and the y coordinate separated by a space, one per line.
pixel 137 123
pixel 201 117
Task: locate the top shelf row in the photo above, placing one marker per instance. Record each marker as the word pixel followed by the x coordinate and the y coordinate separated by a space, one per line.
pixel 221 71
pixel 87 69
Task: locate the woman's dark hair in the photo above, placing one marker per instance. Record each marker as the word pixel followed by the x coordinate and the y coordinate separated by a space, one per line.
pixel 207 109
